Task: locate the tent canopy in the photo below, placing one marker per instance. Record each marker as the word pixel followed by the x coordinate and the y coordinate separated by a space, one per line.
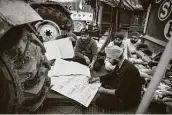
pixel 126 4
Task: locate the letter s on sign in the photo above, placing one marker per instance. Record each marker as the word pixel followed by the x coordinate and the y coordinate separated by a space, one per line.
pixel 165 10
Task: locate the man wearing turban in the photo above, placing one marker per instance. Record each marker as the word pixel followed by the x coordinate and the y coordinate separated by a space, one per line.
pixel 121 89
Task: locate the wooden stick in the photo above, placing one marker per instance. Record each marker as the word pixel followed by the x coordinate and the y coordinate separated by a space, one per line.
pixel 166 57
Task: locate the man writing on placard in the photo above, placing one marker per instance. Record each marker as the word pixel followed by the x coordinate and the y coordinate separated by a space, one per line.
pixel 86 49
pixel 121 89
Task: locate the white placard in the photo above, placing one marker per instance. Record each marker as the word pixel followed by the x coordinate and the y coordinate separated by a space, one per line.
pixel 76 88
pixel 61 48
pixel 52 50
pixel 65 68
pixel 82 15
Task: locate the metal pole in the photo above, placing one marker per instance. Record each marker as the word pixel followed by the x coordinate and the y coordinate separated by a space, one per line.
pixel 161 68
pixel 97 12
pixel 100 16
pixel 147 18
pixel 116 20
pixel 119 13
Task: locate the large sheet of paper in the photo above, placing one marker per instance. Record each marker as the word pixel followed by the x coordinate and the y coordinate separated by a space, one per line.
pixel 76 88
pixel 64 68
pixel 52 50
pixel 61 48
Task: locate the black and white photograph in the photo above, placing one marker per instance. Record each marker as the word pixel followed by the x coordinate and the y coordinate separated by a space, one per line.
pixel 85 56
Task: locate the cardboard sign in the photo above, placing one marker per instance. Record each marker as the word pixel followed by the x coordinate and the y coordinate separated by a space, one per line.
pixel 61 48
pixel 82 15
pixel 66 68
pixel 76 88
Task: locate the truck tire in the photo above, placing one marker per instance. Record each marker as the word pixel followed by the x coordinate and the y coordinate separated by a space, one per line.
pixel 56 16
pixel 23 76
pixel 8 91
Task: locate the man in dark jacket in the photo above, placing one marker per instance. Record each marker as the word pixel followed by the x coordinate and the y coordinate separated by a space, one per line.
pixel 121 89
pixel 86 49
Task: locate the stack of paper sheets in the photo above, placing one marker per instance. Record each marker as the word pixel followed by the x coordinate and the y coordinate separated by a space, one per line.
pixel 61 48
pixel 71 80
pixel 76 88
pixel 67 77
pixel 65 68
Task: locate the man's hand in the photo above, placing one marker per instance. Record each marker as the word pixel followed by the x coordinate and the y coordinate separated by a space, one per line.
pixel 91 66
pixel 107 91
pixel 87 60
pixel 92 80
pixel 72 39
pixel 101 90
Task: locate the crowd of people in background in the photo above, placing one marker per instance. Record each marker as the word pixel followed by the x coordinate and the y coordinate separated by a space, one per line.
pixel 122 86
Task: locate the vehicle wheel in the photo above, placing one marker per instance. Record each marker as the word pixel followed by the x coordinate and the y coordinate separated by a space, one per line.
pixel 21 73
pixel 8 93
pixel 54 20
pixel 9 89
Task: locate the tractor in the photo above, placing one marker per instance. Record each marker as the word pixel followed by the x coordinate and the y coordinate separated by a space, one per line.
pixel 23 65
pixel 24 26
pixel 55 16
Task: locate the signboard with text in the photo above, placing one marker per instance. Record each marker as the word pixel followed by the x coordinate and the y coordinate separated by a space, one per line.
pixel 160 20
pixel 87 16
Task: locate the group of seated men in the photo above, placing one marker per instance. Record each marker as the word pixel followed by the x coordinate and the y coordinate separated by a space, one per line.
pixel 121 87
